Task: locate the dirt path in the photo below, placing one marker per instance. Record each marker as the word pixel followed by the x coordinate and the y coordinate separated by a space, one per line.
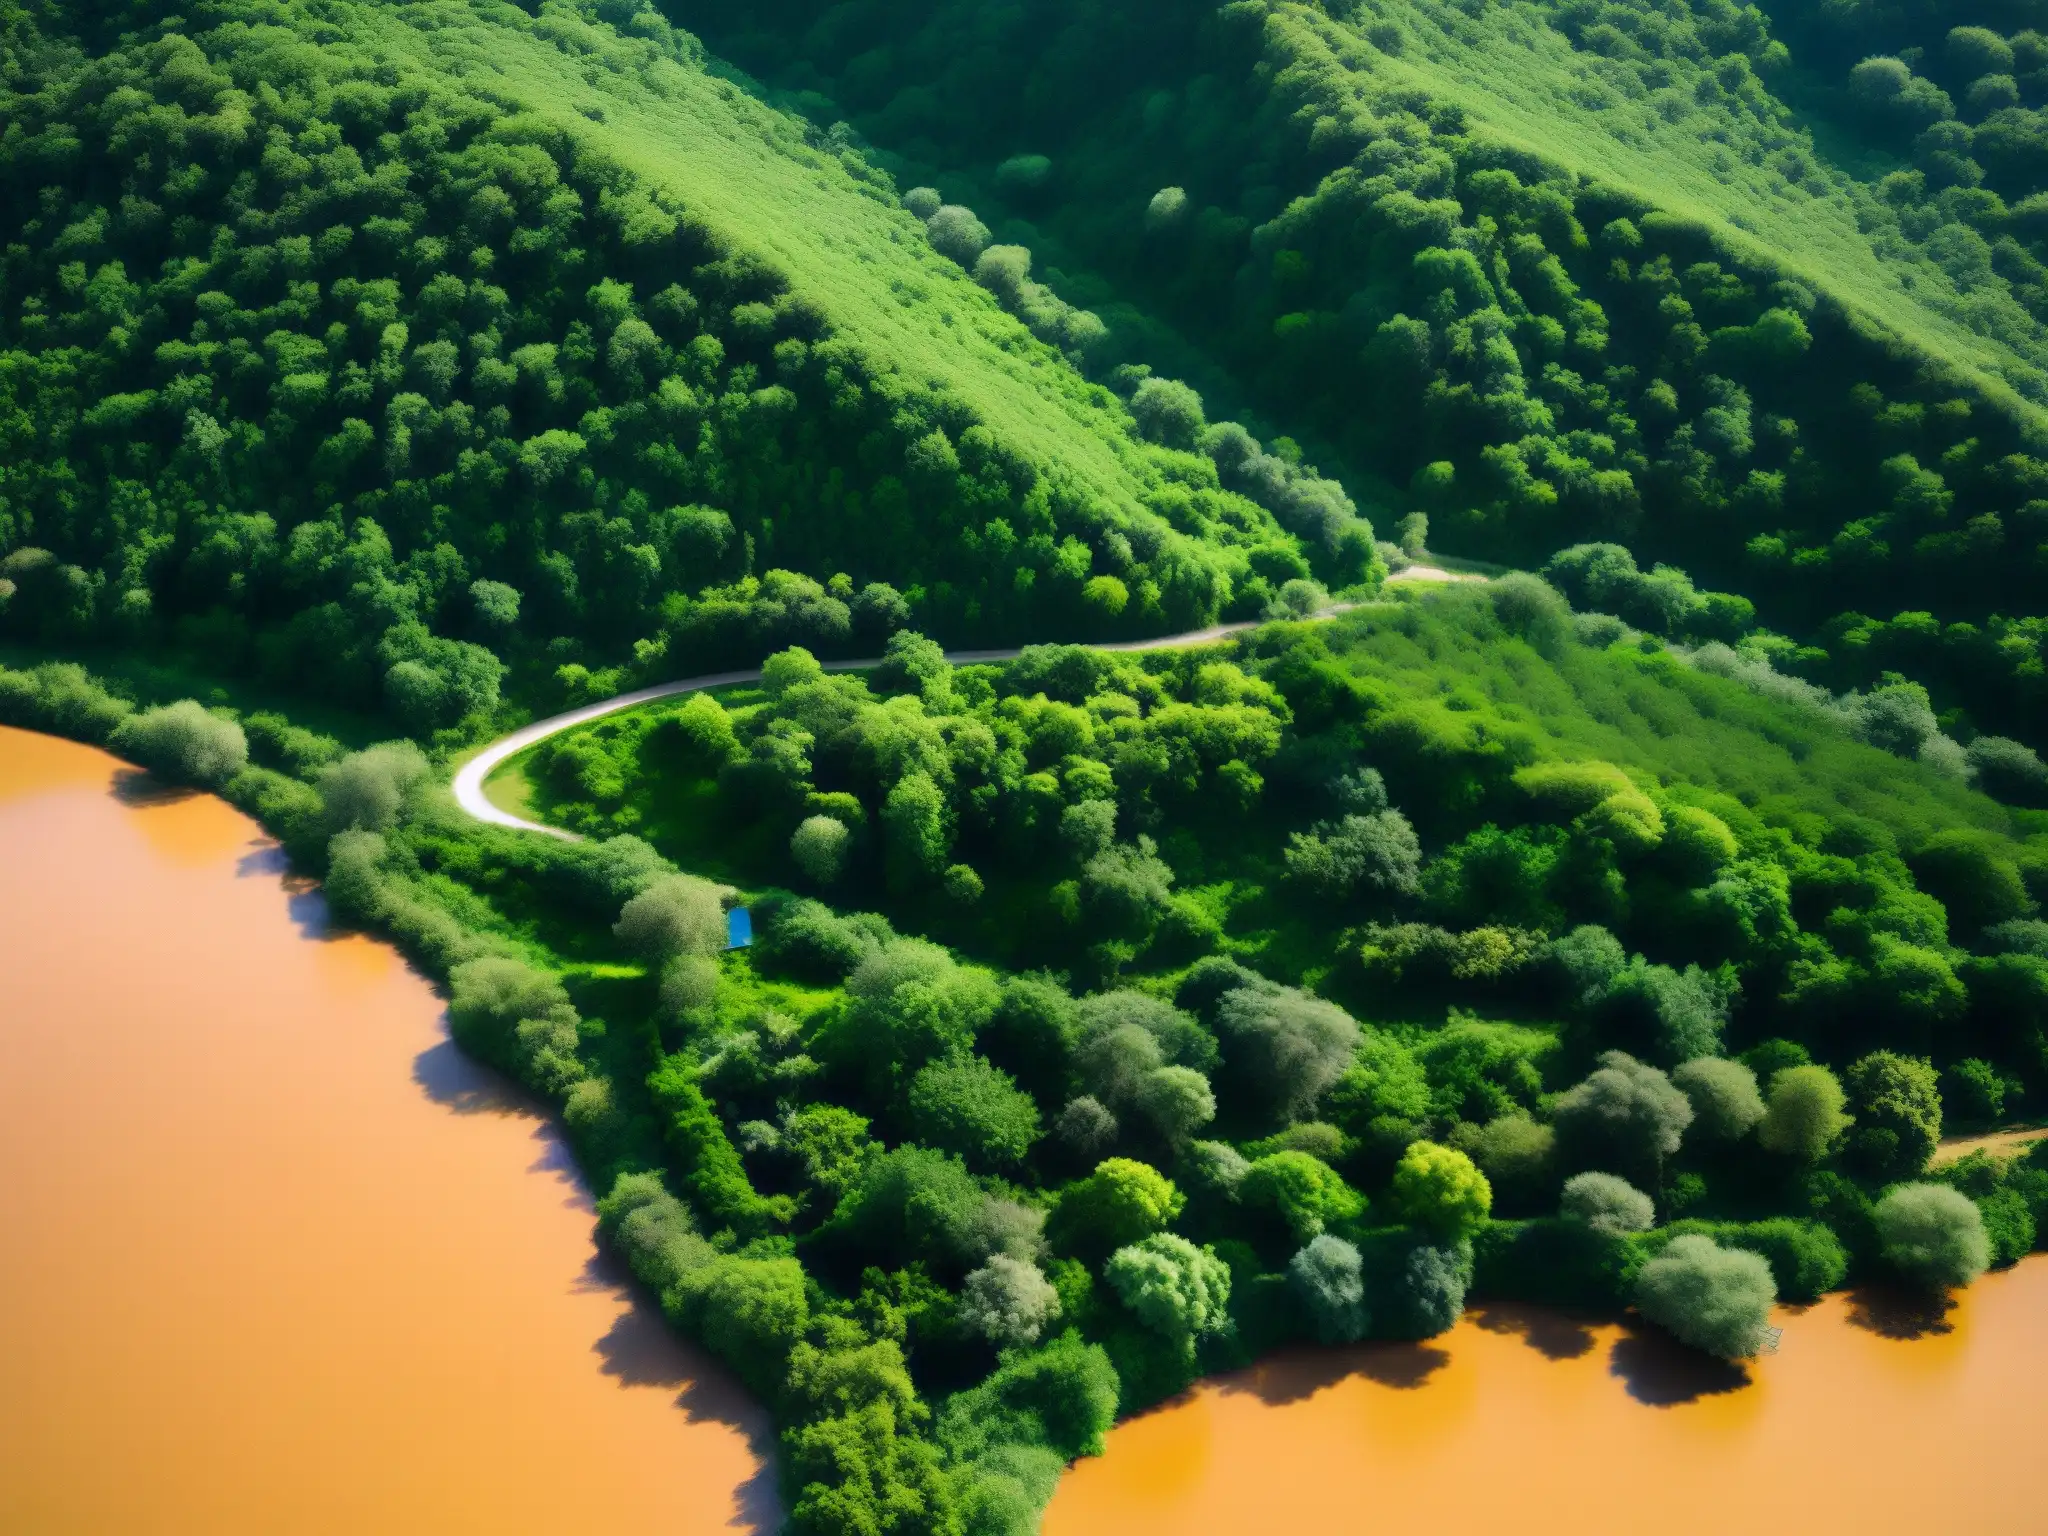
pixel 1998 1144
pixel 469 779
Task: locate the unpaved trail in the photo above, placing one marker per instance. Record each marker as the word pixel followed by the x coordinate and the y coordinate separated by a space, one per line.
pixel 469 779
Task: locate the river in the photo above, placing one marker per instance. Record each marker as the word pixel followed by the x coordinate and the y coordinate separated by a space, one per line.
pixel 1876 1415
pixel 277 1258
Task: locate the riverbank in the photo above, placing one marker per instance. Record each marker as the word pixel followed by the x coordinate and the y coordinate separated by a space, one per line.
pixel 231 1305
pixel 1875 1416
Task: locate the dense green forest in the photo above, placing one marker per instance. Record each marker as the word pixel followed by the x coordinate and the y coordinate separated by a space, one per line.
pixel 1626 930
pixel 1542 273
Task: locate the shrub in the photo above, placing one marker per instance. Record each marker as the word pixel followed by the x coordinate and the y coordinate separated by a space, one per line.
pixel 1428 1291
pixel 1726 1104
pixel 1176 1101
pixel 1085 1128
pixel 1179 1291
pixel 1327 1277
pixel 2009 770
pixel 819 847
pixel 1168 412
pixel 968 1106
pixel 1604 1203
pixel 1803 1114
pixel 1300 1192
pixel 955 232
pixel 1121 1202
pixel 913 1204
pixel 1932 1235
pixel 1441 1191
pixel 1626 1111
pixel 751 1313
pixel 1517 1153
pixel 1897 1106
pixel 1286 1046
pixel 1715 1299
pixel 365 790
pixel 676 915
pixel 1008 1302
pixel 182 743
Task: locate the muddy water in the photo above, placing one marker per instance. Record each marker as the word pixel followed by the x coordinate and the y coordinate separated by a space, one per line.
pixel 1876 1416
pixel 273 1256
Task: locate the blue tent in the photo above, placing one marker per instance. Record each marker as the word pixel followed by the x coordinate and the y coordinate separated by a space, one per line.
pixel 739 928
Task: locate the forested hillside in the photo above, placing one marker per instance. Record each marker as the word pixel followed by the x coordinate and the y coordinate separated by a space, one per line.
pixel 1626 930
pixel 326 361
pixel 1557 273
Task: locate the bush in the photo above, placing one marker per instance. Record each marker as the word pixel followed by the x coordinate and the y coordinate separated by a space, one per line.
pixel 1932 1235
pixel 2009 770
pixel 1897 1107
pixel 366 790
pixel 182 743
pixel 1327 1277
pixel 1176 1101
pixel 1726 1104
pixel 1428 1291
pixel 1803 1115
pixel 751 1313
pixel 1285 1046
pixel 676 915
pixel 975 1109
pixel 1441 1191
pixel 1715 1299
pixel 820 847
pixel 1604 1203
pixel 810 942
pixel 1517 1154
pixel 955 232
pixel 1008 1302
pixel 1179 1291
pixel 1300 1193
pixel 915 1205
pixel 1121 1202
pixel 1624 1111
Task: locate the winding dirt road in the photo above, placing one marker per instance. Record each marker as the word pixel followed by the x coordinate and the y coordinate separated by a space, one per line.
pixel 469 779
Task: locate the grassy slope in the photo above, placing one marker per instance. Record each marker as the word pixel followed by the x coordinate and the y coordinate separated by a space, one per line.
pixel 745 172
pixel 1523 82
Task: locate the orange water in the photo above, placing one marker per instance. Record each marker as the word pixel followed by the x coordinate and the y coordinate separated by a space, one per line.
pixel 276 1258
pixel 1874 1416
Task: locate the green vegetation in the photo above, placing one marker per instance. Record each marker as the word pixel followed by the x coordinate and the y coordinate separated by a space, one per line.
pixel 333 367
pixel 1595 935
pixel 1524 274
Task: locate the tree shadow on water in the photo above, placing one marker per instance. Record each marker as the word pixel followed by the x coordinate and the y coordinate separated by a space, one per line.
pixel 1896 1312
pixel 639 1350
pixel 135 787
pixel 1295 1375
pixel 457 1082
pixel 1553 1335
pixel 1656 1369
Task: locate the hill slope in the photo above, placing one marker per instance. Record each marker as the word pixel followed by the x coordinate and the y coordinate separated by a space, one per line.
pixel 322 315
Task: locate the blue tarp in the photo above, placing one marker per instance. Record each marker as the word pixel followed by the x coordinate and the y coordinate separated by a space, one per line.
pixel 739 928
